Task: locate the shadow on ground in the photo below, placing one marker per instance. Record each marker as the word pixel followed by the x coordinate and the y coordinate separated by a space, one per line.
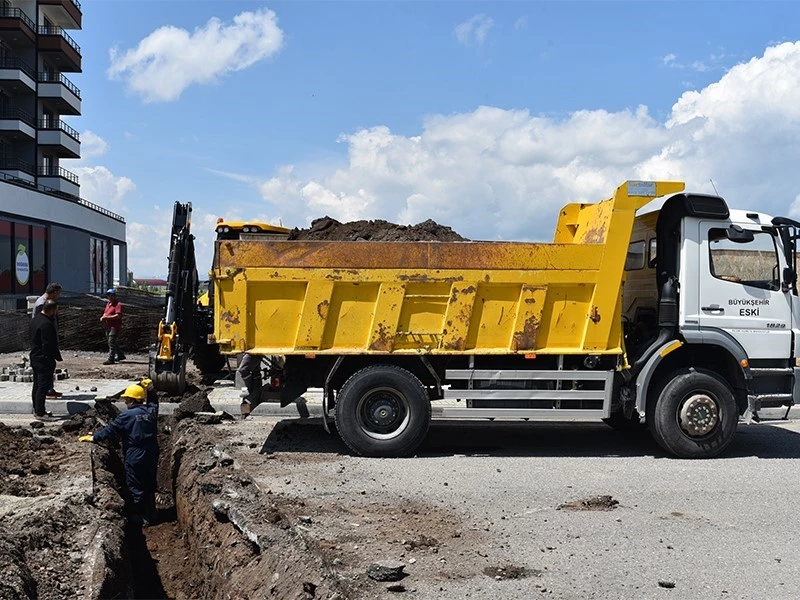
pixel 448 438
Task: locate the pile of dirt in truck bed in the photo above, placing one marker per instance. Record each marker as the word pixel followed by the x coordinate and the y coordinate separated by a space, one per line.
pixel 328 229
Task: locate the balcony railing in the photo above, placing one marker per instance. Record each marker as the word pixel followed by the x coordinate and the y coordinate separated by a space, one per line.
pixel 45 77
pixel 53 171
pixel 16 164
pixel 19 115
pixel 59 31
pixel 66 196
pixel 60 125
pixel 16 13
pixel 13 62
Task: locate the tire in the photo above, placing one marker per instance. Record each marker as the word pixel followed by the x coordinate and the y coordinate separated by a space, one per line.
pixel 695 414
pixel 383 410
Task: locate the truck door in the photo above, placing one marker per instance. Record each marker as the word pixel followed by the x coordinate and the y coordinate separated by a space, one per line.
pixel 740 288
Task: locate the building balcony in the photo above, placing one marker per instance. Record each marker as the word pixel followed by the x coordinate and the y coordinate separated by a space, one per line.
pixel 59 138
pixel 17 123
pixel 60 49
pixel 60 92
pixel 64 13
pixel 18 169
pixel 16 75
pixel 59 179
pixel 14 20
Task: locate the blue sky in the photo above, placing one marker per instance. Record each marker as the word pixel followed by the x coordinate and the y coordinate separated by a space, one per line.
pixel 484 116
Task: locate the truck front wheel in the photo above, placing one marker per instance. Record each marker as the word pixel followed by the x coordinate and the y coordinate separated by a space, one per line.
pixel 383 410
pixel 695 415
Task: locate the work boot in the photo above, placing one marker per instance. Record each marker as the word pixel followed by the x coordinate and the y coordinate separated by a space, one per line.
pixel 120 357
pixel 110 361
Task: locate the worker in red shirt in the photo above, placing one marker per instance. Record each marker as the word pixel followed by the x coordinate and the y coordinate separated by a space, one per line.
pixel 112 321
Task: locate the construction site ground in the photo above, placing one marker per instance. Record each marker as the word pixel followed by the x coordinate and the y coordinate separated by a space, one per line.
pixel 275 507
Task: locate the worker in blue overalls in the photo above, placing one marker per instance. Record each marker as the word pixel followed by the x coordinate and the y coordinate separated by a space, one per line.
pixel 137 428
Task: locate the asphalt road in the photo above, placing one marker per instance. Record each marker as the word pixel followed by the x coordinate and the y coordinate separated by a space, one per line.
pixel 721 528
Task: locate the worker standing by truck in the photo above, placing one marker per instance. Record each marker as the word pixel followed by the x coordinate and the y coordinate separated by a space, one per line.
pixel 112 321
pixel 137 428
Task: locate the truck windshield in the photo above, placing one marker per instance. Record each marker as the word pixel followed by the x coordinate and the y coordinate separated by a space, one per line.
pixel 753 263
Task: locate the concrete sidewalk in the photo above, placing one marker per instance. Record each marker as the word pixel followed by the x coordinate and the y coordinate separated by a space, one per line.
pixel 81 394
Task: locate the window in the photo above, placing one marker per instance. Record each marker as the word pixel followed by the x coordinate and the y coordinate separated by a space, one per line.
pixel 635 259
pixel 39 258
pixel 6 259
pixel 753 263
pixel 98 265
pixel 22 258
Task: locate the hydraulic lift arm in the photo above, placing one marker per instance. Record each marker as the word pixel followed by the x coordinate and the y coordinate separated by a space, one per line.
pixel 177 333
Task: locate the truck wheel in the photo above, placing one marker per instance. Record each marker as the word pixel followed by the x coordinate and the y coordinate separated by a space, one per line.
pixel 383 410
pixel 695 415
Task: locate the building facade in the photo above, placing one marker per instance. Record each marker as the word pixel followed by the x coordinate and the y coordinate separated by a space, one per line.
pixel 47 231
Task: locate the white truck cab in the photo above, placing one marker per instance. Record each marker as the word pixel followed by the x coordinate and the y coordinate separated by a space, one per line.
pixel 716 289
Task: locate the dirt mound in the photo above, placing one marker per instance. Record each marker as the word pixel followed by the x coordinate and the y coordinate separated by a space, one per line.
pixel 23 472
pixel 191 403
pixel 328 229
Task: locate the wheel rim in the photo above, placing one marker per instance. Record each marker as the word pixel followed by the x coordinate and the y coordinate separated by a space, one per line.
pixel 699 414
pixel 383 413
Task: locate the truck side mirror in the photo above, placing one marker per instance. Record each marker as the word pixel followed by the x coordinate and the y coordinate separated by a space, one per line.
pixel 737 235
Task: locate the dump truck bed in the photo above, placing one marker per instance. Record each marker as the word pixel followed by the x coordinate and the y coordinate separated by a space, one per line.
pixel 332 297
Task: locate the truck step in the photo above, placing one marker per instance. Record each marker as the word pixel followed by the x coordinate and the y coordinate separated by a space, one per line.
pixel 539 414
pixel 771 372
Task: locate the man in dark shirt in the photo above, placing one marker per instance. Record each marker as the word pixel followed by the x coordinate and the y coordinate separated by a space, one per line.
pixel 137 427
pixel 52 292
pixel 44 354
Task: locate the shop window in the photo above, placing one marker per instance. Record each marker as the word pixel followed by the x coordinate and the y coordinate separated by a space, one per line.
pixel 6 259
pixel 22 258
pixel 39 258
pixel 98 265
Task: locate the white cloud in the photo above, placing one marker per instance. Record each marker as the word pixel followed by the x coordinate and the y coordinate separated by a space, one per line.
pixel 495 173
pixel 714 62
pixel 100 186
pixel 521 23
pixel 474 30
pixel 92 145
pixel 171 59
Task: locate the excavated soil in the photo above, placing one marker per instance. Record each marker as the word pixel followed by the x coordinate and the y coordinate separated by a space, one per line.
pixel 329 229
pixel 61 523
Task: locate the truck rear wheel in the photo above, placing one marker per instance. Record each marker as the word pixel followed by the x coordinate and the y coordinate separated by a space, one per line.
pixel 383 410
pixel 695 415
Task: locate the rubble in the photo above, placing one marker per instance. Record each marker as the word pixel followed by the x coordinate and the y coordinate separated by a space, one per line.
pixel 23 372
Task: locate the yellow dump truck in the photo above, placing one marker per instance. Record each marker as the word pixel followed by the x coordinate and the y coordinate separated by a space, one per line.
pixel 680 318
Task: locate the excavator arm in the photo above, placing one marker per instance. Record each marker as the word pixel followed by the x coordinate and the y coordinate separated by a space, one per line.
pixel 183 331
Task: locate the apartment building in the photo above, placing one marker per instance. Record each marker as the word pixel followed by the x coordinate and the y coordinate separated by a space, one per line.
pixel 47 231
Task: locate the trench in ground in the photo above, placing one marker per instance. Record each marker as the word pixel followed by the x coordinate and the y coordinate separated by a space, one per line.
pixel 215 534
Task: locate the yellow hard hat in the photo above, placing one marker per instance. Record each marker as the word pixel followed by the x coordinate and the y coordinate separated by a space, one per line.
pixel 146 383
pixel 134 392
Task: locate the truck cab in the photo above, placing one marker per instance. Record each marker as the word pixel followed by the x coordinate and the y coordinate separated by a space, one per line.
pixel 737 308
